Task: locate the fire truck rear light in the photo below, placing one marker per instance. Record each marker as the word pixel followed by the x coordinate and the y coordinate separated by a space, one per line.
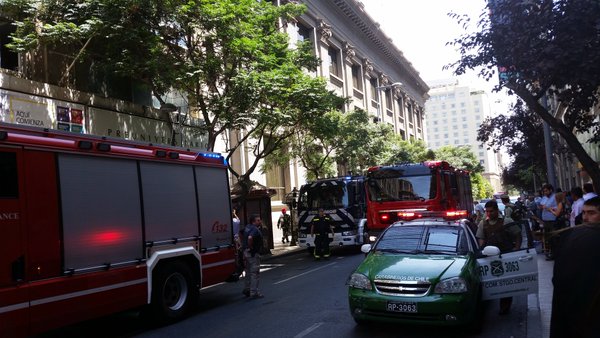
pixel 173 155
pixel 385 217
pixel 103 146
pixel 3 135
pixel 85 145
pixel 456 213
pixel 406 214
pixel 160 153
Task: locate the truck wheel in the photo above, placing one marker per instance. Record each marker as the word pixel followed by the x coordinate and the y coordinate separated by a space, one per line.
pixel 173 292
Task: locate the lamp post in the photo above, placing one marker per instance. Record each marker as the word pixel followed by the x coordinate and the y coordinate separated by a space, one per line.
pixel 379 110
pixel 177 119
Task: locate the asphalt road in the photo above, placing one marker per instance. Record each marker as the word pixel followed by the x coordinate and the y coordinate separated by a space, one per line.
pixel 303 298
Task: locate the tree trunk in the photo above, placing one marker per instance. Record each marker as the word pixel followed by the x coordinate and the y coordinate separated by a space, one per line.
pixel 558 126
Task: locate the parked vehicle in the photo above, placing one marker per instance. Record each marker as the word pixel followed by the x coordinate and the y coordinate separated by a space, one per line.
pixel 431 271
pixel 399 191
pixel 343 199
pixel 93 226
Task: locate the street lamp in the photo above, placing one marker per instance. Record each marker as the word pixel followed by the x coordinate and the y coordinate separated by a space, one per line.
pixel 379 110
pixel 177 118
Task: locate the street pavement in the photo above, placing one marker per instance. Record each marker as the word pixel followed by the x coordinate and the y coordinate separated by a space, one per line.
pixel 539 306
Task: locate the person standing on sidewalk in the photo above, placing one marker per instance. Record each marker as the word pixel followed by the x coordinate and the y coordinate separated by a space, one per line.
pixel 547 203
pixel 320 228
pixel 252 244
pixel 576 280
pixel 501 232
pixel 284 222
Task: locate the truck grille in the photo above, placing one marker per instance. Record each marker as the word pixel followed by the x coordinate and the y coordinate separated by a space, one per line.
pixel 392 287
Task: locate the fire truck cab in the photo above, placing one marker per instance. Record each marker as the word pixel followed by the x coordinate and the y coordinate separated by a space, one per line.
pixel 92 226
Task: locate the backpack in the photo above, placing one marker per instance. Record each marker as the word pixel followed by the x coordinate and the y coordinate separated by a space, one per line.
pixel 517 213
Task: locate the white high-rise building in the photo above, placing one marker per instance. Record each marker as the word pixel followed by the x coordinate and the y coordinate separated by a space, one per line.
pixel 453 115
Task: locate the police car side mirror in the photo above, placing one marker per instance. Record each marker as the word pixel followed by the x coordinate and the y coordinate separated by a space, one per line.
pixel 490 250
pixel 365 248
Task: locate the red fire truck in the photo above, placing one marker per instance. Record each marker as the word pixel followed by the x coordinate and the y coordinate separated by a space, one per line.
pixel 92 226
pixel 408 191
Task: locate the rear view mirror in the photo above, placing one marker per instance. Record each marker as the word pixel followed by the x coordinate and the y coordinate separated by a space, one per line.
pixel 365 248
pixel 490 250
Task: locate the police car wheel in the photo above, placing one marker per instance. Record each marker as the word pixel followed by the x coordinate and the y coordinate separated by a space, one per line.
pixel 173 292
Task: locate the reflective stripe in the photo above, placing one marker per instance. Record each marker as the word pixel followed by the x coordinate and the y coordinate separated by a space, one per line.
pixel 71 295
pixel 14 307
pixel 87 292
pixel 229 261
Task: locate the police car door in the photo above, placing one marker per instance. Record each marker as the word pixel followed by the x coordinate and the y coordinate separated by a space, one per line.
pixel 508 274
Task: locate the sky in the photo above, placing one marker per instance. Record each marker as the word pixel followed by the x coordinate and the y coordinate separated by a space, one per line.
pixel 421 29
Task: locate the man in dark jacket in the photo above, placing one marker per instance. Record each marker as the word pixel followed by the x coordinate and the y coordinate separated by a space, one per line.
pixel 320 228
pixel 252 243
pixel 576 294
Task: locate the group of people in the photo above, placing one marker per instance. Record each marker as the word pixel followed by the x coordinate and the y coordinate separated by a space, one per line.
pixel 571 239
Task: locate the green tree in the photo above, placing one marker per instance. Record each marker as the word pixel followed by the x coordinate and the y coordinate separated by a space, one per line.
pixel 521 134
pixel 364 144
pixel 543 48
pixel 463 158
pixel 229 58
pixel 409 151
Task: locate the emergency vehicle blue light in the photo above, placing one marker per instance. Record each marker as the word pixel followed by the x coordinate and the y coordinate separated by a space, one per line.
pixel 211 155
pixel 348 177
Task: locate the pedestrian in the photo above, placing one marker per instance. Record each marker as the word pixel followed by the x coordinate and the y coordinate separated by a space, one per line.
pixel 252 243
pixel 588 190
pixel 284 223
pixel 576 280
pixel 575 218
pixel 479 212
pixel 560 211
pixel 320 228
pixel 509 208
pixel 546 204
pixel 237 240
pixel 502 233
pixel 591 210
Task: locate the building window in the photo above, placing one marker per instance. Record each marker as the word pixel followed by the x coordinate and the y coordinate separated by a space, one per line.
pixel 374 96
pixel 388 100
pixel 334 62
pixel 357 80
pixel 303 32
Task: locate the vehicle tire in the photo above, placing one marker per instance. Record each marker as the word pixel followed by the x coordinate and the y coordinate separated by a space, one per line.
pixel 174 292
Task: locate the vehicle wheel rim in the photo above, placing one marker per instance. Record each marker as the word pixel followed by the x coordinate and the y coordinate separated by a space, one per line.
pixel 175 292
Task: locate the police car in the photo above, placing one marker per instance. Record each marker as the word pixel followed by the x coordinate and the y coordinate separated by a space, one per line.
pixel 430 270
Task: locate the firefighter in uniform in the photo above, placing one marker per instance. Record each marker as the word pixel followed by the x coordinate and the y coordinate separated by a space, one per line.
pixel 320 228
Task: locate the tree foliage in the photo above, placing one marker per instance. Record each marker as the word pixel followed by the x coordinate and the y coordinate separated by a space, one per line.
pixel 543 47
pixel 409 151
pixel 229 58
pixel 460 157
pixel 521 134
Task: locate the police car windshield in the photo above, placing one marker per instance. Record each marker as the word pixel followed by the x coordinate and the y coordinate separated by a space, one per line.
pixel 423 240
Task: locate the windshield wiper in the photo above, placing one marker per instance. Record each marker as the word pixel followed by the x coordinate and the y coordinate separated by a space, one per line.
pixel 398 251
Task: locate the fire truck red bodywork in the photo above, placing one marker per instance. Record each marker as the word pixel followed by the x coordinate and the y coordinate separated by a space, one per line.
pixel 70 254
pixel 403 191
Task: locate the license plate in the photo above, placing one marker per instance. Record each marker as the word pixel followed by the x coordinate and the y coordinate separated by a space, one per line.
pixel 409 307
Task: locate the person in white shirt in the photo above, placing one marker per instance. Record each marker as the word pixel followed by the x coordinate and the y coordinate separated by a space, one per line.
pixel 577 205
pixel 588 190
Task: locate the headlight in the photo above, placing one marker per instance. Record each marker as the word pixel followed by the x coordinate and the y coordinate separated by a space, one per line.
pixel 349 233
pixel 301 235
pixel 359 281
pixel 451 285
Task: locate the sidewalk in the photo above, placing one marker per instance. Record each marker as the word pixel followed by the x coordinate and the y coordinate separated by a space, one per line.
pixel 539 307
